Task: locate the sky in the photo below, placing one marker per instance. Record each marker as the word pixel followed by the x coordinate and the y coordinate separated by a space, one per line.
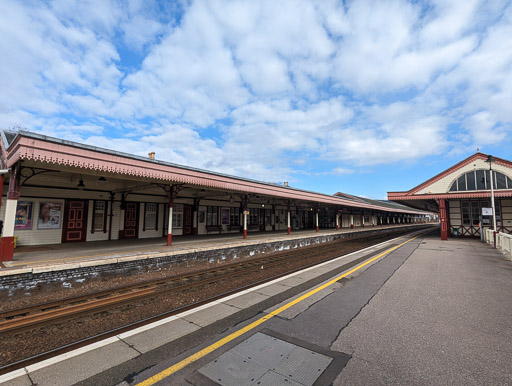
pixel 362 97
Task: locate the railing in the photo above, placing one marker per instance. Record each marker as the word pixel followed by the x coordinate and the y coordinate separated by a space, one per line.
pixel 489 236
pixel 503 241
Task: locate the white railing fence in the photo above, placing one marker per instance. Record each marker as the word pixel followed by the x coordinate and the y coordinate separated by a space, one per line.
pixel 503 241
pixel 488 236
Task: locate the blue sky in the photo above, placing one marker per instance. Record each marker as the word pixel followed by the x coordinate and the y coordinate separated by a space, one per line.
pixel 362 97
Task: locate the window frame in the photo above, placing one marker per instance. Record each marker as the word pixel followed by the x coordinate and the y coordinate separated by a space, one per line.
pixel 145 222
pixel 234 216
pixel 177 216
pixel 481 181
pixel 212 212
pixel 103 228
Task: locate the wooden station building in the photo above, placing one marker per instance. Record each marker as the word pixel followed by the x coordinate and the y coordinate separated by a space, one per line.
pixel 57 191
pixel 463 196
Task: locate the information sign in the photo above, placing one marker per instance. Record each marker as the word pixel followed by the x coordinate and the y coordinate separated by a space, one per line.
pixel 486 211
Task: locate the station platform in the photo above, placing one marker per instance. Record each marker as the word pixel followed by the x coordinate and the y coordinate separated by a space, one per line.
pixel 418 311
pixel 54 257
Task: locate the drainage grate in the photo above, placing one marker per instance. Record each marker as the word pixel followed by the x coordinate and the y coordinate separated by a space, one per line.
pixel 265 360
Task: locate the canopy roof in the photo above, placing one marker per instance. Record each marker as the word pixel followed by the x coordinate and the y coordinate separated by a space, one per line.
pixel 43 150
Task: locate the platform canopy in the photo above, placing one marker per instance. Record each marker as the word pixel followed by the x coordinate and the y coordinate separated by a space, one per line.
pixel 57 163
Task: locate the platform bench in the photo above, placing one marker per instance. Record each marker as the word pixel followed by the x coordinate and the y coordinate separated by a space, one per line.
pixel 213 228
pixel 233 228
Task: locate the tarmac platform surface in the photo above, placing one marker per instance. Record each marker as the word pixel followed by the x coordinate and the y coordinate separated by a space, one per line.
pixel 422 312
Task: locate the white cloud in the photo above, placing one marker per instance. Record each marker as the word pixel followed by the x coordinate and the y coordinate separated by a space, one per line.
pixel 388 48
pixel 278 83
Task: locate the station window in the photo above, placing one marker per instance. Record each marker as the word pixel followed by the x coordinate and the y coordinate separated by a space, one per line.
pixel 471 212
pixel 481 180
pixel 234 216
pixel 471 181
pixel 212 216
pixel 150 216
pixel 475 213
pixel 99 216
pixel 465 213
pixel 254 216
pixel 177 216
pixel 461 183
pixel 501 181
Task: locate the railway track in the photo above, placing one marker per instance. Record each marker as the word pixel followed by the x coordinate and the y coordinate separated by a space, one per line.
pixel 250 273
pixel 30 317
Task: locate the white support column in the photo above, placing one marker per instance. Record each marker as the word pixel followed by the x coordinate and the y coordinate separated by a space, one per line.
pixel 245 223
pixel 337 221
pixel 10 217
pixel 351 221
pixel 317 220
pixel 169 228
pixel 121 220
pixel 289 222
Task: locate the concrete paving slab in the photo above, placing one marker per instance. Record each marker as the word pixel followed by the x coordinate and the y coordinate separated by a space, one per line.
pixel 309 275
pixel 15 271
pixel 210 315
pixel 16 378
pixel 71 368
pixel 55 267
pixel 246 300
pixel 158 336
pixel 293 281
pixel 272 289
pixel 318 271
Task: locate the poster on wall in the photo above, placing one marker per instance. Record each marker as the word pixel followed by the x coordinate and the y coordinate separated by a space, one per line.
pixel 225 216
pixel 201 217
pixel 23 218
pixel 50 214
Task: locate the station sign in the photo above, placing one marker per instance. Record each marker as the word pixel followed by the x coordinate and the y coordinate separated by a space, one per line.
pixel 486 211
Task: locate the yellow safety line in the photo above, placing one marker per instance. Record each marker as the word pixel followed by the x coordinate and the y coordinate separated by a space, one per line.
pixel 193 358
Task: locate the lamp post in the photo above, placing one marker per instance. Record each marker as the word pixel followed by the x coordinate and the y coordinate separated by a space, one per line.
pixel 490 160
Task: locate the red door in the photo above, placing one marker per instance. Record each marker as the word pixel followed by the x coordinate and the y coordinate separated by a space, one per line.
pixel 74 227
pixel 131 225
pixel 187 220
